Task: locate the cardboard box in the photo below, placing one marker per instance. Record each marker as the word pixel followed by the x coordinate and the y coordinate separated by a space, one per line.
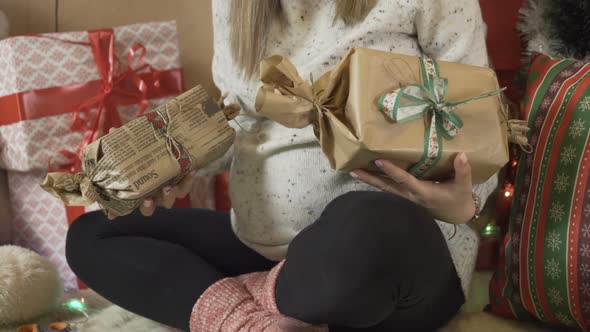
pixel 193 18
pixel 29 16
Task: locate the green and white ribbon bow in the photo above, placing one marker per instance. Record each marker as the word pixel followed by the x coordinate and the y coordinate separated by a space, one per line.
pixel 427 101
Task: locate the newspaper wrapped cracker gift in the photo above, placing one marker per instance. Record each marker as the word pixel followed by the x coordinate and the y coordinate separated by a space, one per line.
pixel 413 111
pixel 134 161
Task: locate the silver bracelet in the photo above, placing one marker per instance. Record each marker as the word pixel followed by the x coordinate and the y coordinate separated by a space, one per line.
pixel 477 202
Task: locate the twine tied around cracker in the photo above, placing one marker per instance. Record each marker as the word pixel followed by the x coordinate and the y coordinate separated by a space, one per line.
pixel 319 101
pixel 172 145
pixel 517 131
pixel 295 103
pixel 231 112
pixel 164 123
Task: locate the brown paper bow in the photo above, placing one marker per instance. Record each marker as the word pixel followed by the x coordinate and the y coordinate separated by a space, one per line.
pixel 295 103
pixel 72 189
pixel 289 100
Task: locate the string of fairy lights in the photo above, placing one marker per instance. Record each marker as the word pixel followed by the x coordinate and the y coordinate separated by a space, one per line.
pixel 77 305
pixel 498 225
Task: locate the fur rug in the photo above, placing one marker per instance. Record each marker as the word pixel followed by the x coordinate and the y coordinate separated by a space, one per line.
pixel 557 28
pixel 31 291
pixel 104 317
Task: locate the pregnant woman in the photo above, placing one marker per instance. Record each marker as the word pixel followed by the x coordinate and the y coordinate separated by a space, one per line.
pixel 304 247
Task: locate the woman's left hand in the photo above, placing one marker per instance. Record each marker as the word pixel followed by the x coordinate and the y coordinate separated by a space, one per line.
pixel 450 201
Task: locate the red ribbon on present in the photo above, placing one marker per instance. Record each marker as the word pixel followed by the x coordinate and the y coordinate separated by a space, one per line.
pixel 133 85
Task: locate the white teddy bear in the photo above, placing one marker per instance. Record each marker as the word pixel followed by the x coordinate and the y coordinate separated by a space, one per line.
pixel 29 286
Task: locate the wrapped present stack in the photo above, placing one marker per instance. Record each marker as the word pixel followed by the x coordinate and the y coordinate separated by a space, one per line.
pixel 58 93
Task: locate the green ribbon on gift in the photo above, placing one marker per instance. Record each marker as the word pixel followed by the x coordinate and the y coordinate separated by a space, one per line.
pixel 427 100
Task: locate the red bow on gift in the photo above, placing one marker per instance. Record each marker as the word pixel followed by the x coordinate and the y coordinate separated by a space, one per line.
pixel 116 86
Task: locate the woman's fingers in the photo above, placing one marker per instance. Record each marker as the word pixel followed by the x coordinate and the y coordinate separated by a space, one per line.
pixel 401 177
pixel 463 171
pixel 185 185
pixel 148 207
pixel 378 182
pixel 168 196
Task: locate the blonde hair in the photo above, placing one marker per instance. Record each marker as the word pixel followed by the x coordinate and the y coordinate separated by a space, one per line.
pixel 252 19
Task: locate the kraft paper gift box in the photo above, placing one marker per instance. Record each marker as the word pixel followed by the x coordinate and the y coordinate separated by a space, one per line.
pixel 414 111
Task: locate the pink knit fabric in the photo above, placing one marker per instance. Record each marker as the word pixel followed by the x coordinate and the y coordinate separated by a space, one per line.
pixel 244 303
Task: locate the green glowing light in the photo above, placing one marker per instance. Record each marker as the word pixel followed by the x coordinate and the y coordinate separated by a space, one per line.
pixel 491 230
pixel 75 304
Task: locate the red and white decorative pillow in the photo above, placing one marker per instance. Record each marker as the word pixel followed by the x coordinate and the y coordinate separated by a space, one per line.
pixel 544 270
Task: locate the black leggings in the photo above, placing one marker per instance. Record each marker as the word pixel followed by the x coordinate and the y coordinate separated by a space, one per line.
pixel 371 262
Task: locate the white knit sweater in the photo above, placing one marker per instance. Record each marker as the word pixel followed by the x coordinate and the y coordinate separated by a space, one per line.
pixel 280 180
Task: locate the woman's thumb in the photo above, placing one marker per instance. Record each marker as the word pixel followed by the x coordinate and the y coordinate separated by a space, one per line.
pixel 462 170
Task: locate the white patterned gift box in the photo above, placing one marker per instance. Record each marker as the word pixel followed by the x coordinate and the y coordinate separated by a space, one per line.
pixel 40 221
pixel 34 130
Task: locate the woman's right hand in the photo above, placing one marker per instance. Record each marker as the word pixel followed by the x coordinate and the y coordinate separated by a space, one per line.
pixel 166 197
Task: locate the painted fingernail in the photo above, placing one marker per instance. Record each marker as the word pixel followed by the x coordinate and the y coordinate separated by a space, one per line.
pixel 463 158
pixel 148 203
pixel 354 175
pixel 379 163
pixel 167 190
